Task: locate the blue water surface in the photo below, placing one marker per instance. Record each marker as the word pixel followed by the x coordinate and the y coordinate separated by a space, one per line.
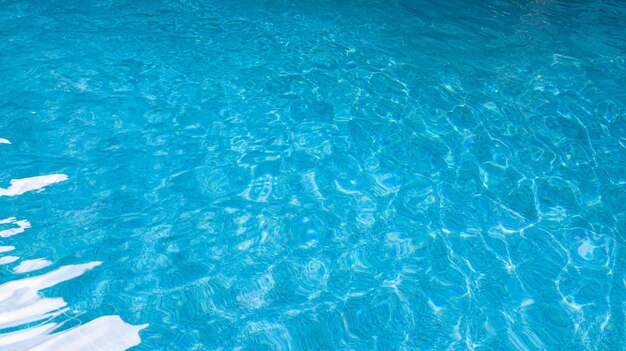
pixel 312 175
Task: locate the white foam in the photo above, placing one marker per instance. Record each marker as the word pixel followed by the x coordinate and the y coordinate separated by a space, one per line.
pixel 20 186
pixel 4 141
pixel 6 248
pixel 31 265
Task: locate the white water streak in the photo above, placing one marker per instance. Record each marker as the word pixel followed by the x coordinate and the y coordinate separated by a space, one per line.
pixel 21 186
pixel 22 225
pixel 21 304
pixel 27 266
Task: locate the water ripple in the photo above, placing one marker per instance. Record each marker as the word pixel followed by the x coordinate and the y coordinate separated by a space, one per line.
pixel 315 175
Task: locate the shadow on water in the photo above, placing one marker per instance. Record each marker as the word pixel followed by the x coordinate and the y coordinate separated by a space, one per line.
pixel 31 321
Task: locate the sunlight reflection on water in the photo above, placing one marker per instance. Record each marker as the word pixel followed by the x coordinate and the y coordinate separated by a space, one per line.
pixel 28 319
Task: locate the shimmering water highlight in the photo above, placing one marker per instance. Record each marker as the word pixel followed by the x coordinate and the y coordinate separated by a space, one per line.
pixel 312 175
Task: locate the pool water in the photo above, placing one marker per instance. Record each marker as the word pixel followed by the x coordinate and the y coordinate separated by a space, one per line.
pixel 312 175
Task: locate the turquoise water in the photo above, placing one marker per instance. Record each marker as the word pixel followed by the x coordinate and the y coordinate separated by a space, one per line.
pixel 312 175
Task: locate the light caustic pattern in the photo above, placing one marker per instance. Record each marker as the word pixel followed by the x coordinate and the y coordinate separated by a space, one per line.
pixel 320 175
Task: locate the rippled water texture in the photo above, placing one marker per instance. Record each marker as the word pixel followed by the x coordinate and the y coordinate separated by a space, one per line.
pixel 312 175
